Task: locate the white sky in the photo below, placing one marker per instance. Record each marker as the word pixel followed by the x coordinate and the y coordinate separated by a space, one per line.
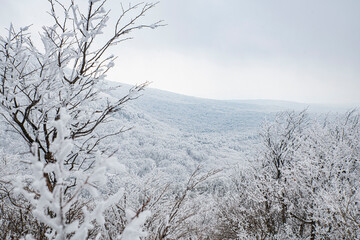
pixel 305 51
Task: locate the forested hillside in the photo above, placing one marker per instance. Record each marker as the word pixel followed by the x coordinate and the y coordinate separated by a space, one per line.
pixel 267 172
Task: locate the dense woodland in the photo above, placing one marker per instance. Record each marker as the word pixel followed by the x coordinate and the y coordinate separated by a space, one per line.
pixel 62 176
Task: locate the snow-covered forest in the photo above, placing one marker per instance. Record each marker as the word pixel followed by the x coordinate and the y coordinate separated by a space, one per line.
pixel 82 157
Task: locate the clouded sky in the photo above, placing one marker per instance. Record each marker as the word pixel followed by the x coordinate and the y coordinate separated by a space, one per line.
pixel 305 51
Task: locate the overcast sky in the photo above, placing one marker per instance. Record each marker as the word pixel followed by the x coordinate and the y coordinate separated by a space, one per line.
pixel 305 51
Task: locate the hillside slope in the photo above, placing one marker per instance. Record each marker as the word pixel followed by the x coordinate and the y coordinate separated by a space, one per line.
pixel 173 133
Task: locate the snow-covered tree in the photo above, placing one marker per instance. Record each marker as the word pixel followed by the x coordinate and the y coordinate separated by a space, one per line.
pixel 303 185
pixel 50 95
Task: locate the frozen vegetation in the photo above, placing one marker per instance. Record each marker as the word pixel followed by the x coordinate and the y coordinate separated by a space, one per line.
pixel 81 158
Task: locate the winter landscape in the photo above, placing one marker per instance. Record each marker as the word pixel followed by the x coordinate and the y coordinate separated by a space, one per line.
pixel 83 156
